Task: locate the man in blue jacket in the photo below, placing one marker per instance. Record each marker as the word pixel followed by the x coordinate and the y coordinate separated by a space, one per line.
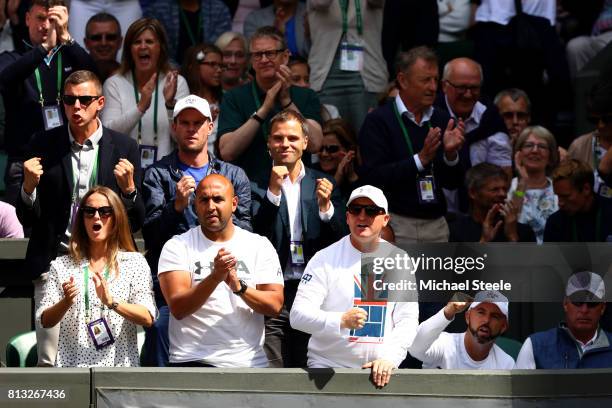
pixel 168 191
pixel 579 342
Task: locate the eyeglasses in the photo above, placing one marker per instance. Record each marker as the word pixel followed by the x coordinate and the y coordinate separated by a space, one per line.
pixel 99 37
pixel 590 305
pixel 518 116
pixel 270 54
pixel 104 212
pixel 606 119
pixel 370 210
pixel 331 149
pixel 214 65
pixel 538 146
pixel 84 100
pixel 235 54
pixel 464 88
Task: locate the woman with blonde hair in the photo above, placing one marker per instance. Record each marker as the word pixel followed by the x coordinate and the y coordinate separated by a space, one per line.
pixel 235 57
pixel 101 290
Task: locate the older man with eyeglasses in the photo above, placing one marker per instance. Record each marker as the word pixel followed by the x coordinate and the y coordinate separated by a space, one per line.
pixel 244 121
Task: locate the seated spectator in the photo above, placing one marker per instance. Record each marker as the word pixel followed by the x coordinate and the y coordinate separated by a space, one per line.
pixel 515 108
pixel 244 122
pixel 491 218
pixel 486 318
pixel 101 290
pixel 595 147
pixel 218 303
pixel 300 76
pixel 188 23
pixel 326 303
pixel 141 96
pixel 103 41
pixel 289 17
pixel 535 155
pixel 583 216
pixel 10 227
pixel 580 50
pixel 234 47
pixel 203 68
pixel 579 342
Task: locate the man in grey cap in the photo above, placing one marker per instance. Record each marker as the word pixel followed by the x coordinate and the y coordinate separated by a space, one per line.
pixel 579 342
pixel 487 319
pixel 168 192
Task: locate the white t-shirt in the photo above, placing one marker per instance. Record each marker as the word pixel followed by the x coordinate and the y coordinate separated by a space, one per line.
pixel 501 11
pixel 225 331
pixel 330 287
pixel 436 348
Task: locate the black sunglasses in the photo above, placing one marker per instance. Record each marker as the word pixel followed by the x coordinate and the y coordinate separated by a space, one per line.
pixel 606 119
pixel 331 149
pixel 370 210
pixel 104 212
pixel 108 37
pixel 84 100
pixel 590 305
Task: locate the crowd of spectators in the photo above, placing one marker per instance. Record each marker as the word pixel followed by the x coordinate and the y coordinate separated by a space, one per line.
pixel 247 138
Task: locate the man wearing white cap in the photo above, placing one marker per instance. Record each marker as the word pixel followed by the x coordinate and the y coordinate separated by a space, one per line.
pixel 325 304
pixel 579 342
pixel 486 318
pixel 168 191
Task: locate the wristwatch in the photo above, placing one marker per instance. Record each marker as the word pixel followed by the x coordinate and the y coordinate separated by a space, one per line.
pixel 131 196
pixel 243 288
pixel 257 117
pixel 113 305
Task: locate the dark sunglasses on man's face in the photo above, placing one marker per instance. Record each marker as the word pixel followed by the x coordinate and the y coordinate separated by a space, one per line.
pixel 84 100
pixel 370 210
pixel 606 119
pixel 590 305
pixel 98 37
pixel 104 212
pixel 331 149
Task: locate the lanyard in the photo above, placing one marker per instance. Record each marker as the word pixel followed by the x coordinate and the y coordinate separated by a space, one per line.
pixel 344 9
pixel 264 125
pixel 188 26
pixel 86 289
pixel 154 109
pixel 597 227
pixel 59 81
pixel 92 178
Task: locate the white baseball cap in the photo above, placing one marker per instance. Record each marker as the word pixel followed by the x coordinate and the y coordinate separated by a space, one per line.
pixel 586 286
pixel 492 296
pixel 193 102
pixel 373 193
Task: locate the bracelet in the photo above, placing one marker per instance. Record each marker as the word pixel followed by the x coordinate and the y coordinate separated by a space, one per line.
pixel 519 194
pixel 113 305
pixel 287 105
pixel 257 118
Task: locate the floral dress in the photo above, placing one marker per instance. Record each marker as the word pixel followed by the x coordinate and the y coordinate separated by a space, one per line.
pixel 538 205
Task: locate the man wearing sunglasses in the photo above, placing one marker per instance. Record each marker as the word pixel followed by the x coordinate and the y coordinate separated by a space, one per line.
pixel 63 164
pixel 579 342
pixel 103 40
pixel 327 301
pixel 515 108
pixel 31 83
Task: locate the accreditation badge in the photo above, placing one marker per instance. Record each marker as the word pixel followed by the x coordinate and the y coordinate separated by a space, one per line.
pixel 351 56
pixel 426 189
pixel 297 253
pixel 52 117
pixel 147 155
pixel 100 333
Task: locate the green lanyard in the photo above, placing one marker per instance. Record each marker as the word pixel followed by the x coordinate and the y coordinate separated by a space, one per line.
pixel 595 158
pixel 86 288
pixel 194 40
pixel 264 125
pixel 92 179
pixel 344 9
pixel 597 227
pixel 59 81
pixel 154 109
pixel 404 130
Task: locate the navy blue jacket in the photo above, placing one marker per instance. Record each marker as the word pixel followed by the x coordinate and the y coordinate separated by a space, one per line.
pixel 273 222
pixel 162 221
pixel 560 225
pixel 554 349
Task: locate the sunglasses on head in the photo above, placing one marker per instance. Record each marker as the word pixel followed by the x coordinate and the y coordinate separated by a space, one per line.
pixel 370 210
pixel 104 212
pixel 590 305
pixel 84 100
pixel 331 149
pixel 606 119
pixel 99 37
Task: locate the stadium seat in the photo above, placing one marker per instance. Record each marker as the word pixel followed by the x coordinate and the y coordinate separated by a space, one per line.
pixel 21 350
pixel 510 346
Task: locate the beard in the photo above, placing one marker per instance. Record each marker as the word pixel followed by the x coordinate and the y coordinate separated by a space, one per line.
pixel 483 339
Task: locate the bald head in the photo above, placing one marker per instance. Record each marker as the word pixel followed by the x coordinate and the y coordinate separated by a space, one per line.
pixel 218 180
pixel 214 205
pixel 461 66
pixel 461 82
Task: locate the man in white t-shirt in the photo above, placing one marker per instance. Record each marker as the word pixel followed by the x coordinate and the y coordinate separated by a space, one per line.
pixel 328 302
pixel 486 318
pixel 219 281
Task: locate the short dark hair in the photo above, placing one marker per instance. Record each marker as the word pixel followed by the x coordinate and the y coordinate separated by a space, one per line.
pixel 287 115
pixel 46 3
pixel 297 60
pixel 599 100
pixel 577 172
pixel 269 32
pixel 138 27
pixel 102 18
pixel 477 176
pixel 82 76
pixel 515 94
pixel 405 60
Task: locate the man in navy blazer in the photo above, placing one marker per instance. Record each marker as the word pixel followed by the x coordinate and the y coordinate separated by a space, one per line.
pixel 300 212
pixel 64 164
